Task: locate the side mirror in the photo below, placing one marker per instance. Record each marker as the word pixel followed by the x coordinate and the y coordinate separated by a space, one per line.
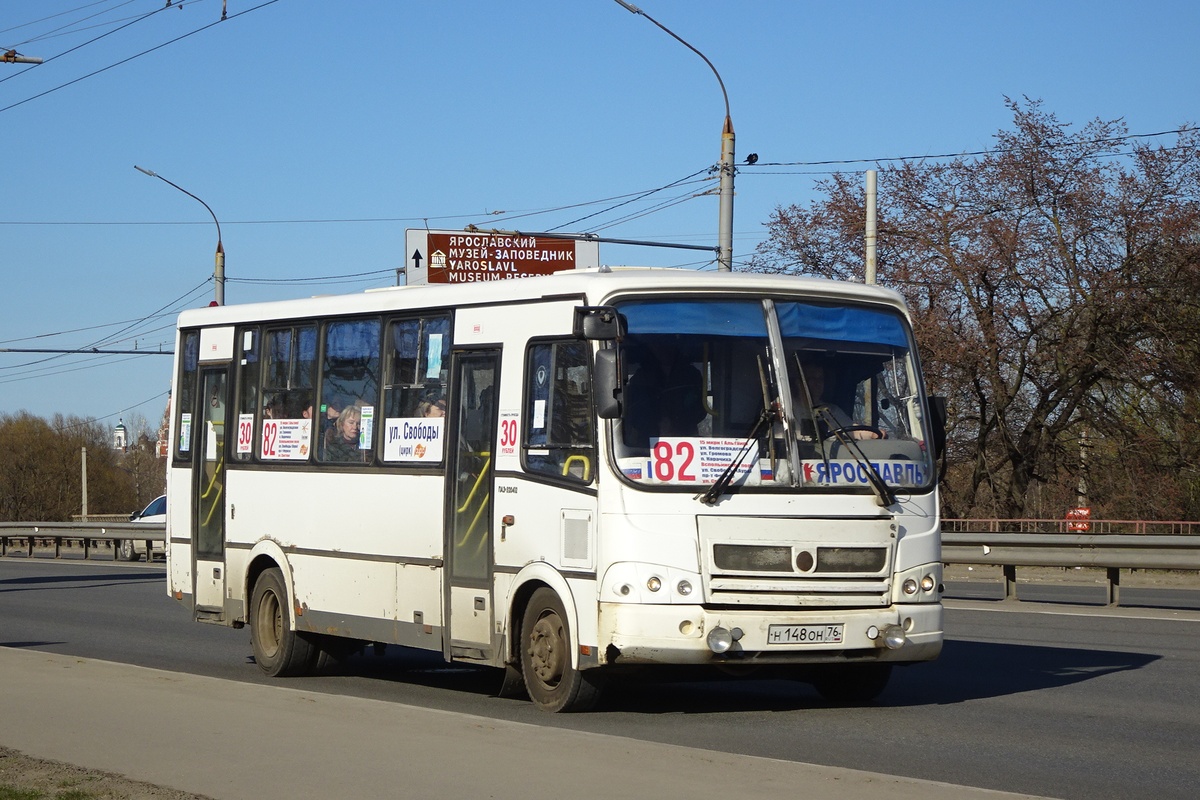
pixel 937 424
pixel 598 323
pixel 607 384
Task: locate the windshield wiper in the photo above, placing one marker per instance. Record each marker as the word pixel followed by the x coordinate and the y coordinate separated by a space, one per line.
pixel 723 480
pixel 883 493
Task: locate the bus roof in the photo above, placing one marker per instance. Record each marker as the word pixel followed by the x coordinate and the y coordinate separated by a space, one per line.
pixel 596 285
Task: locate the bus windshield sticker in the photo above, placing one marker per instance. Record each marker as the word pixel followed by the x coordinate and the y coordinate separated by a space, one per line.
pixel 696 460
pixel 185 432
pixel 366 427
pixel 413 439
pixel 433 356
pixel 286 439
pixel 851 473
pixel 509 425
pixel 245 437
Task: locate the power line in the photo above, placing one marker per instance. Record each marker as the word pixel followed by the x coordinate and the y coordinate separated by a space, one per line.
pixel 834 162
pixel 631 200
pixel 53 16
pixel 75 330
pixel 82 45
pixel 88 352
pixel 90 420
pixel 138 55
pixel 108 340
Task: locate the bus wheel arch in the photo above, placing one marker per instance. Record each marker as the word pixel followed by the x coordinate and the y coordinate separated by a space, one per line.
pixel 513 682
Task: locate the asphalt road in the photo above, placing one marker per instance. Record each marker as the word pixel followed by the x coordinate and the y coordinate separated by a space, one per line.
pixel 1045 699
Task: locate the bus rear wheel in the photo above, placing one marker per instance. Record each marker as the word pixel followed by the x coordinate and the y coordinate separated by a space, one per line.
pixel 279 650
pixel 552 682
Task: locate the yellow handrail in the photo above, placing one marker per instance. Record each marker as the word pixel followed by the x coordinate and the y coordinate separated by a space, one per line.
pixel 587 465
pixel 483 473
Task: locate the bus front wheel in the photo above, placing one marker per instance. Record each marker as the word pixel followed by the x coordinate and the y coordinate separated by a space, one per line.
pixel 279 650
pixel 552 682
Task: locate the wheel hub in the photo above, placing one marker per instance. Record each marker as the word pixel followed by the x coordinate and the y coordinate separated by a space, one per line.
pixel 546 650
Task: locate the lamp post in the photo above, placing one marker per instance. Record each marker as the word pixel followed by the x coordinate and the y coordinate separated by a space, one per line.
pixel 725 196
pixel 219 268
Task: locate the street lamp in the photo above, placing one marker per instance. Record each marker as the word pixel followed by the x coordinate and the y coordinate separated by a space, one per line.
pixel 725 210
pixel 219 268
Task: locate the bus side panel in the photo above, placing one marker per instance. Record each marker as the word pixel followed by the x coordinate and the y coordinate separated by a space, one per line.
pixel 551 525
pixel 179 534
pixel 348 564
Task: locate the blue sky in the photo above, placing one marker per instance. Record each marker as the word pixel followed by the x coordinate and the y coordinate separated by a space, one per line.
pixel 319 131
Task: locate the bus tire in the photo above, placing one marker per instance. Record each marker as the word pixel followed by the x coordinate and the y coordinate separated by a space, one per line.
pixel 552 682
pixel 279 651
pixel 851 684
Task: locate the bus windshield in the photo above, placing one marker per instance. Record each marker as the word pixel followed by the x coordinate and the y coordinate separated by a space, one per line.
pixel 779 394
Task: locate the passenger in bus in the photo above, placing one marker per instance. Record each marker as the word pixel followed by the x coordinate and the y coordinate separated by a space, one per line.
pixel 302 405
pixel 664 397
pixel 341 441
pixel 432 408
pixel 830 416
pixel 273 408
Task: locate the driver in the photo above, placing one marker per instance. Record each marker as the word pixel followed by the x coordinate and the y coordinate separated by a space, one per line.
pixel 829 414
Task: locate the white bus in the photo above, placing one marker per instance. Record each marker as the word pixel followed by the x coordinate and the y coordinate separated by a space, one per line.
pixel 564 477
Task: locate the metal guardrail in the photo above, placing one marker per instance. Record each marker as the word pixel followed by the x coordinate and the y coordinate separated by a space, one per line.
pixel 27 537
pixel 1110 552
pixel 1042 525
pixel 984 543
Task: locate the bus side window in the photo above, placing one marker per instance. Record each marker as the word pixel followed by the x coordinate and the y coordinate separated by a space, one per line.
pixel 186 393
pixel 249 377
pixel 349 390
pixel 418 355
pixel 289 357
pixel 560 439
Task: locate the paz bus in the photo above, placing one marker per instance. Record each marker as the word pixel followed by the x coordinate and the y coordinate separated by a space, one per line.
pixel 566 477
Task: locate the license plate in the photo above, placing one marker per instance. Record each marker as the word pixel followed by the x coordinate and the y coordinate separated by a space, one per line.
pixel 805 634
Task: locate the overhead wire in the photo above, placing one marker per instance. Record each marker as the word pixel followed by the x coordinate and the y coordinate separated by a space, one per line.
pixel 631 200
pixel 71 330
pixel 994 151
pixel 70 27
pixel 80 46
pixel 53 16
pixel 138 55
pixel 90 420
pixel 105 341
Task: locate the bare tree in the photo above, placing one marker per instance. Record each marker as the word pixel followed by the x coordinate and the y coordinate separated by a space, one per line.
pixel 41 469
pixel 1053 283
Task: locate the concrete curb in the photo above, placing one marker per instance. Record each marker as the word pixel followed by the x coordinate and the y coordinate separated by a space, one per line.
pixel 232 740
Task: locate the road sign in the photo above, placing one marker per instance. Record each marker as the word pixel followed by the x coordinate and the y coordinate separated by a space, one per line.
pixel 469 256
pixel 1079 519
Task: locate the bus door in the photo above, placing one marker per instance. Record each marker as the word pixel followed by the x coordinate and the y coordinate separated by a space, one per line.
pixel 468 517
pixel 208 489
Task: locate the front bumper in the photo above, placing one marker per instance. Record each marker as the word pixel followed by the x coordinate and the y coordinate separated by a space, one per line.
pixel 677 634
